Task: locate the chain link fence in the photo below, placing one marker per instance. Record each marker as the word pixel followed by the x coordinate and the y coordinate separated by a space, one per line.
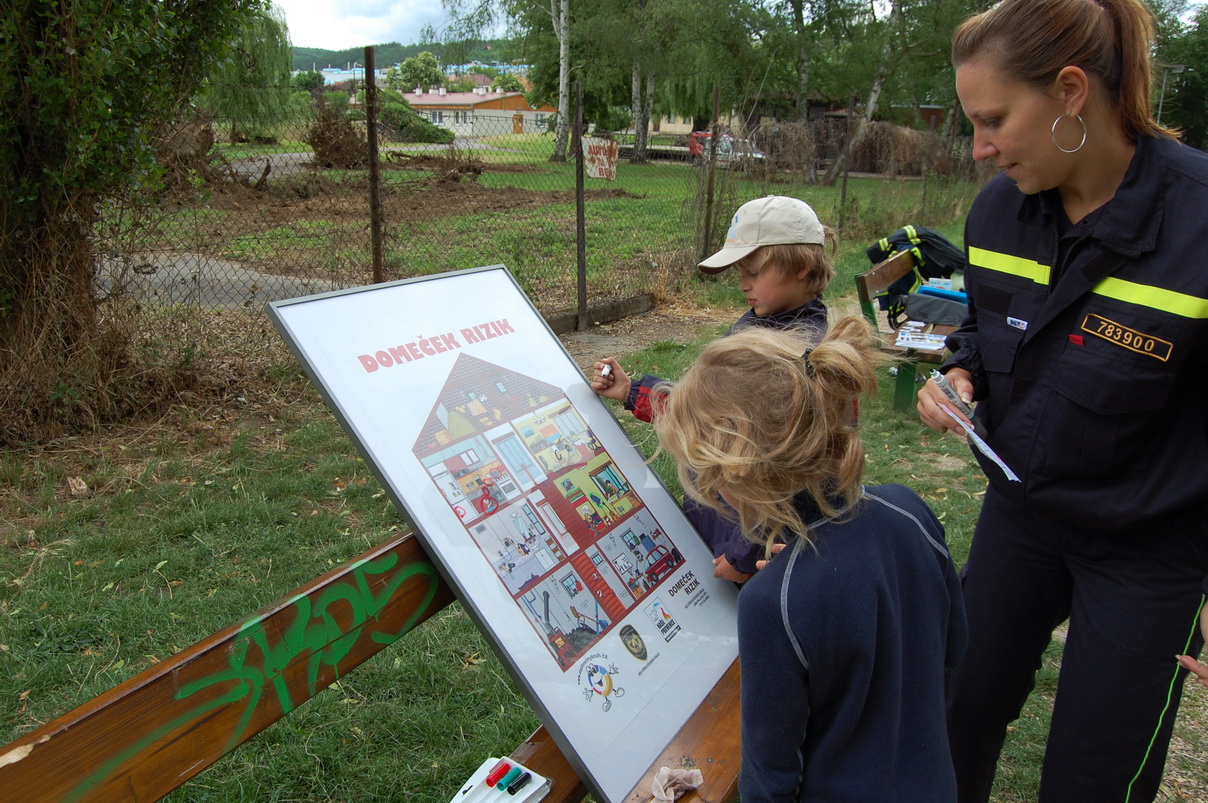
pixel 338 193
pixel 249 213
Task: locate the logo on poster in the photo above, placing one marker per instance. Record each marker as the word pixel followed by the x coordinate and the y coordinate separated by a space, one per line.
pixel 662 619
pixel 633 642
pixel 599 680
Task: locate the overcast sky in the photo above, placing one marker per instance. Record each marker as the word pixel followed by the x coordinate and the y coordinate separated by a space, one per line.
pixel 341 24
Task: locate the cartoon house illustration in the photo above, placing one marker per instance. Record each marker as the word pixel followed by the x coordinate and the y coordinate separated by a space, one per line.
pixel 541 498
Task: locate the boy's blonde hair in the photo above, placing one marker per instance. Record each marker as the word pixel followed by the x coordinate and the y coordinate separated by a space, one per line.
pixel 765 414
pixel 792 258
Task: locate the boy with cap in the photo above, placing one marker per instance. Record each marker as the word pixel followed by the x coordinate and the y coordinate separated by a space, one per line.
pixel 777 248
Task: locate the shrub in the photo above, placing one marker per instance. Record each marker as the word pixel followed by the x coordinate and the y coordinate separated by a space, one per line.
pixel 402 123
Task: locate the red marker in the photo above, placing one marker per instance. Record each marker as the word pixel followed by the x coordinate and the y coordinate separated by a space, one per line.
pixel 500 770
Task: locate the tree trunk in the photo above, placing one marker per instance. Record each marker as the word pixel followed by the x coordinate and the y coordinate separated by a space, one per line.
pixel 890 58
pixel 641 123
pixel 648 107
pixel 560 11
pixel 51 362
pixel 803 61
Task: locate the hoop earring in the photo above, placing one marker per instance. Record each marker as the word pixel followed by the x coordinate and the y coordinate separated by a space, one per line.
pixel 1077 147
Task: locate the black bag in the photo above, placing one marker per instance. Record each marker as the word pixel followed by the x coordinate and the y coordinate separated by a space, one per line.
pixel 933 309
pixel 935 257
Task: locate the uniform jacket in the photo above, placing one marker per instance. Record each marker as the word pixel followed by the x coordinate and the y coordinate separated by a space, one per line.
pixel 845 649
pixel 1091 368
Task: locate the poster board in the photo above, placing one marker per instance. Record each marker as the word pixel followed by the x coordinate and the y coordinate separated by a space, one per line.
pixel 561 543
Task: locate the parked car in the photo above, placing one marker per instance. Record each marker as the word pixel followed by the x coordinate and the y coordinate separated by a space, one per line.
pixel 731 151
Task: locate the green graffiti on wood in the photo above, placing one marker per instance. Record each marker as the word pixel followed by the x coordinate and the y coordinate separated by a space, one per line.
pixel 256 661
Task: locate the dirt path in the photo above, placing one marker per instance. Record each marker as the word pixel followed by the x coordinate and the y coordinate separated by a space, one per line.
pixel 675 322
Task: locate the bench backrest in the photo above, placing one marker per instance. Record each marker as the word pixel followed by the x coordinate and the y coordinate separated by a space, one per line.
pixel 879 277
pixel 151 734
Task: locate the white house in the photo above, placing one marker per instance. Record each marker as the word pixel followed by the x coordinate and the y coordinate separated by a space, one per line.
pixel 482 112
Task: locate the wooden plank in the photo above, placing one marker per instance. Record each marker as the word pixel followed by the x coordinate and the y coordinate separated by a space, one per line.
pixel 151 734
pixel 880 276
pixel 540 753
pixel 709 741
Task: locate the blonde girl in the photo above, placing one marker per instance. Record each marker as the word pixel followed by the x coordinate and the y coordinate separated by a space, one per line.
pixel 845 638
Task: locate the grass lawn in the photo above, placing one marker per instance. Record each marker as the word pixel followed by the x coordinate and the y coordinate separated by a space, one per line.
pixel 119 550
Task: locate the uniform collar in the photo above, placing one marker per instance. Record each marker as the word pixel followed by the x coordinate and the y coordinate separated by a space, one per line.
pixel 1129 223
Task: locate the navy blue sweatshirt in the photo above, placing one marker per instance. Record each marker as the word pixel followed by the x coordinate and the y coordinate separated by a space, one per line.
pixel 845 649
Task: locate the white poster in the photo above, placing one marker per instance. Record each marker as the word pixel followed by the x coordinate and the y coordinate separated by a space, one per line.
pixel 600 157
pixel 559 540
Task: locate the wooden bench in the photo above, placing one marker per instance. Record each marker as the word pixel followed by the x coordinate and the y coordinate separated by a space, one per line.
pixel 151 734
pixel 875 280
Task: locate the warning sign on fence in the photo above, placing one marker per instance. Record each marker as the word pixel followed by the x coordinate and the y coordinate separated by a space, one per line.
pixel 600 157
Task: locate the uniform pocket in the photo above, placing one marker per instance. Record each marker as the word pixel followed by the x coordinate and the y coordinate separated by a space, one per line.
pixel 1105 413
pixel 1105 375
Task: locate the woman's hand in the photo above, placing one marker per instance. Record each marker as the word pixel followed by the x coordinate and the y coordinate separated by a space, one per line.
pixel 612 383
pixel 931 397
pixel 1190 664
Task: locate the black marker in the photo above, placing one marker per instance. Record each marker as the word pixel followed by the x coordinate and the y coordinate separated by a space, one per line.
pixel 519 783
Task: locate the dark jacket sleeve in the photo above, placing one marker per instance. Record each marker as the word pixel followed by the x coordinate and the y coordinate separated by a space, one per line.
pixel 963 343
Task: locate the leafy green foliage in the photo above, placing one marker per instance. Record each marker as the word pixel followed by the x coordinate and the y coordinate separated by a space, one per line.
pixel 420 71
pixel 1185 101
pixel 307 80
pixel 406 125
pixel 507 82
pixel 251 85
pixel 84 87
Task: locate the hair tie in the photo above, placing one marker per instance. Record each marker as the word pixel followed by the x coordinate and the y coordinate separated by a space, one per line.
pixel 809 366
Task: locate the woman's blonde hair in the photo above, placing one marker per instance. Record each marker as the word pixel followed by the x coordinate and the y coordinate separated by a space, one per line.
pixel 767 414
pixel 1032 40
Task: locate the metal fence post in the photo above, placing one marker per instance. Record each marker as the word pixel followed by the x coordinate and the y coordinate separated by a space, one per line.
pixel 375 206
pixel 580 213
pixel 707 246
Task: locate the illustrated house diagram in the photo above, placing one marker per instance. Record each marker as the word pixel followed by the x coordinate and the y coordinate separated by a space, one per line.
pixel 543 501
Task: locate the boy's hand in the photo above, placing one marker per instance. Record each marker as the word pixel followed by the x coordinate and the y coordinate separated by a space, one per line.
pixel 723 569
pixel 613 383
pixel 760 565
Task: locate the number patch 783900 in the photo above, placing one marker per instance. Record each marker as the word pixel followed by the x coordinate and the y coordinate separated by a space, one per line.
pixel 1129 338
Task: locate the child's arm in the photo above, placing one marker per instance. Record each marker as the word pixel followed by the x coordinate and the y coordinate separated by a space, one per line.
pixel 1192 665
pixel 610 381
pixel 722 568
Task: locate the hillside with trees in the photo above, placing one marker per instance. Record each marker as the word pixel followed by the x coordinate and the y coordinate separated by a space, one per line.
pixel 389 53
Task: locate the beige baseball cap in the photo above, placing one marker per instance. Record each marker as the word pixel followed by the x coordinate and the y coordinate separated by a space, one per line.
pixel 771 220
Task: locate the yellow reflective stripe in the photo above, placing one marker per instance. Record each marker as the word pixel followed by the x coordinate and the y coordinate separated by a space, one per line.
pixel 1154 297
pixel 1005 263
pixel 912 234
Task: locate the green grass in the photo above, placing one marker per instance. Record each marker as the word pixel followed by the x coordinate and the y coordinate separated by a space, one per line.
pixel 191 525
